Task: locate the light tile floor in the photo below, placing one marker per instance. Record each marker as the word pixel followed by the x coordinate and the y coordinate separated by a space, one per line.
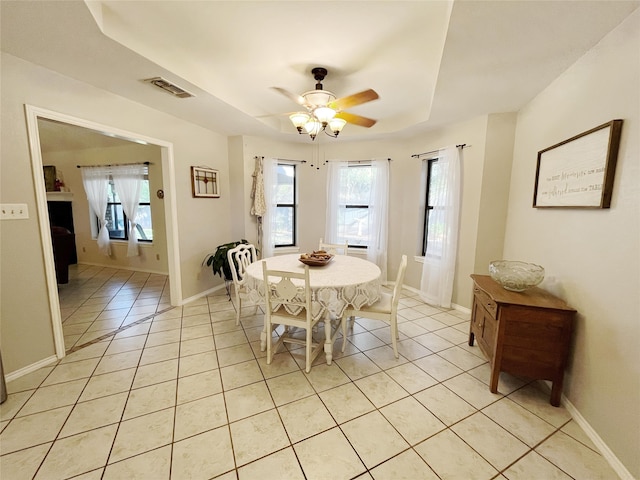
pixel 187 394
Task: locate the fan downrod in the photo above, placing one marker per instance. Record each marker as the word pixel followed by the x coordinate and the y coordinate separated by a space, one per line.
pixel 318 74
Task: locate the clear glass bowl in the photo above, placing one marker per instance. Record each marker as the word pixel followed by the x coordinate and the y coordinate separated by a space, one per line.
pixel 516 276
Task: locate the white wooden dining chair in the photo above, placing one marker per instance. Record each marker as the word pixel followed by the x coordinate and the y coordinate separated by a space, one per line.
pixel 333 248
pixel 289 305
pixel 240 258
pixel 385 309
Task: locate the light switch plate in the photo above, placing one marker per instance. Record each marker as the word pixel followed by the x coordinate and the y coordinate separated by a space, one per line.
pixel 14 211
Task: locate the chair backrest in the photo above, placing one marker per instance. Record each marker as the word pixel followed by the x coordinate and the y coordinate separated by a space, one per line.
pixel 240 258
pixel 397 288
pixel 280 290
pixel 333 248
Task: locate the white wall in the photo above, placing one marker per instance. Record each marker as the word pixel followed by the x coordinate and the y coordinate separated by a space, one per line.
pixel 25 330
pixel 593 254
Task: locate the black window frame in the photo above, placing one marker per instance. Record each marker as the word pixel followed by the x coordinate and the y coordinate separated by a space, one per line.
pixel 293 206
pixel 427 206
pixel 353 205
pixel 124 215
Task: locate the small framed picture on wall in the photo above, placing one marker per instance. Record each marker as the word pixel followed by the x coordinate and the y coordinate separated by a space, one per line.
pixel 204 182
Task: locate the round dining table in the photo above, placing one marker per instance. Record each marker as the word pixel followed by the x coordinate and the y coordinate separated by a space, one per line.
pixel 345 281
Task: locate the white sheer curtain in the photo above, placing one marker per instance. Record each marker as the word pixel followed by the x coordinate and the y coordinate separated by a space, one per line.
pixel 333 201
pixel 378 203
pixel 127 180
pixel 377 243
pixel 270 173
pixel 436 286
pixel 96 181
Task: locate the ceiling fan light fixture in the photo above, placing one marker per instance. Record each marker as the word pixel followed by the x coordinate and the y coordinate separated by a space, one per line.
pixel 299 120
pixel 322 107
pixel 317 98
pixel 336 125
pixel 313 127
pixel 324 114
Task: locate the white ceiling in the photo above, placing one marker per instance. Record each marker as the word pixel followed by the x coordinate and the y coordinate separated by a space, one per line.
pixel 431 62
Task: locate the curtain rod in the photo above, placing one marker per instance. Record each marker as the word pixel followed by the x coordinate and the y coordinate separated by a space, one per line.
pixel 356 161
pixel 282 159
pixel 289 160
pixel 418 155
pixel 114 165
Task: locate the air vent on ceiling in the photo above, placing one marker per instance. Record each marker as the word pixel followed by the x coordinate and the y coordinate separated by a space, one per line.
pixel 167 86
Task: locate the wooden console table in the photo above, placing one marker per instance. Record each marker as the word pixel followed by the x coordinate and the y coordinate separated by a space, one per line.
pixel 523 333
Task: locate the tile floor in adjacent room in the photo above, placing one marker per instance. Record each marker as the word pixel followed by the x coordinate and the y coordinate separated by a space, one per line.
pixel 188 394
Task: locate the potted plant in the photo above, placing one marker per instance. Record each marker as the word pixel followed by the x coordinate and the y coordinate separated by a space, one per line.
pixel 218 260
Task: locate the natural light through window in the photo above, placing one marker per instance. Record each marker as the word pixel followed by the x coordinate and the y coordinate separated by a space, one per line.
pixel 354 198
pixel 284 230
pixel 117 223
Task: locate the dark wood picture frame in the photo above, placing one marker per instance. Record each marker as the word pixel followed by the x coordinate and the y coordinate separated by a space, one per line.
pixel 50 175
pixel 205 182
pixel 579 172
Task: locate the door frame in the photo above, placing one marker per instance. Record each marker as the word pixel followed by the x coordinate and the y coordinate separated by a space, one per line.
pixel 171 211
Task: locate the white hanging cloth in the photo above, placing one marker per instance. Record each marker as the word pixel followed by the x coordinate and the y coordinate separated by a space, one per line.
pixel 127 180
pixel 270 176
pixel 259 206
pixel 438 270
pixel 96 181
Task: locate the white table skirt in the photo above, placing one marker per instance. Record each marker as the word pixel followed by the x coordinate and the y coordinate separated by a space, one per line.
pixel 345 281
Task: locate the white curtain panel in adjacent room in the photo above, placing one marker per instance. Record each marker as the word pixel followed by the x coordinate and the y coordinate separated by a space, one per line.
pixel 96 181
pixel 436 286
pixel 127 180
pixel 270 173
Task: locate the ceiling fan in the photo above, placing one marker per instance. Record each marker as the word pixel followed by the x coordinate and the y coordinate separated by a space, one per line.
pixel 324 110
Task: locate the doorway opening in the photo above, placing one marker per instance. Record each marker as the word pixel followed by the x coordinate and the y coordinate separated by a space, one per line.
pixel 107 134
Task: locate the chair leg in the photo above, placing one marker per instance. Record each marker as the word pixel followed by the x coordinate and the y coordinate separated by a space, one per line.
pixel 345 325
pixel 307 350
pixel 269 342
pixel 394 336
pixel 344 321
pixel 239 308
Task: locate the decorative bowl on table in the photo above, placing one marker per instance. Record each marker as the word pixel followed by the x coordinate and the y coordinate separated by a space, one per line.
pixel 316 259
pixel 516 276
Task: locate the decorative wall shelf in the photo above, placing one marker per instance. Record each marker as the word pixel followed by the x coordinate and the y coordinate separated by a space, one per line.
pixel 59 196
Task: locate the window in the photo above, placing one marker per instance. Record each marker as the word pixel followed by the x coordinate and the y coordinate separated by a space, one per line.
pixel 429 226
pixel 284 229
pixel 355 193
pixel 117 223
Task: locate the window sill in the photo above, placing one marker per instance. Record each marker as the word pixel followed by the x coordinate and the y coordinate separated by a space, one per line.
pixel 285 250
pixel 116 241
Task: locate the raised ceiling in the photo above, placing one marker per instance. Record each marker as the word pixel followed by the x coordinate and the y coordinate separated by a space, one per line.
pixel 432 62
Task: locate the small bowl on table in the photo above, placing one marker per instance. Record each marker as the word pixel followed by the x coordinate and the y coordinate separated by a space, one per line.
pixel 516 276
pixel 316 259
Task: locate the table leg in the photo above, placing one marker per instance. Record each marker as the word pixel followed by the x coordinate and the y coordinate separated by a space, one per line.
pixel 328 341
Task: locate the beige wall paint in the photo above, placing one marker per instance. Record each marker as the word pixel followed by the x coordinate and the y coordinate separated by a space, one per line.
pixel 594 255
pixel 25 330
pixel 153 257
pixel 494 191
pixel 405 187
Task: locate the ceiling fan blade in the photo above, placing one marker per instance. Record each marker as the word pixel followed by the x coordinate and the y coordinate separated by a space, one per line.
pixel 356 119
pixel 291 96
pixel 353 100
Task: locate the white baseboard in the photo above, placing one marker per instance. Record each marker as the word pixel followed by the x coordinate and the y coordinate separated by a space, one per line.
pixel 124 267
pixel 454 306
pixel 30 368
pixel 606 452
pixel 202 294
